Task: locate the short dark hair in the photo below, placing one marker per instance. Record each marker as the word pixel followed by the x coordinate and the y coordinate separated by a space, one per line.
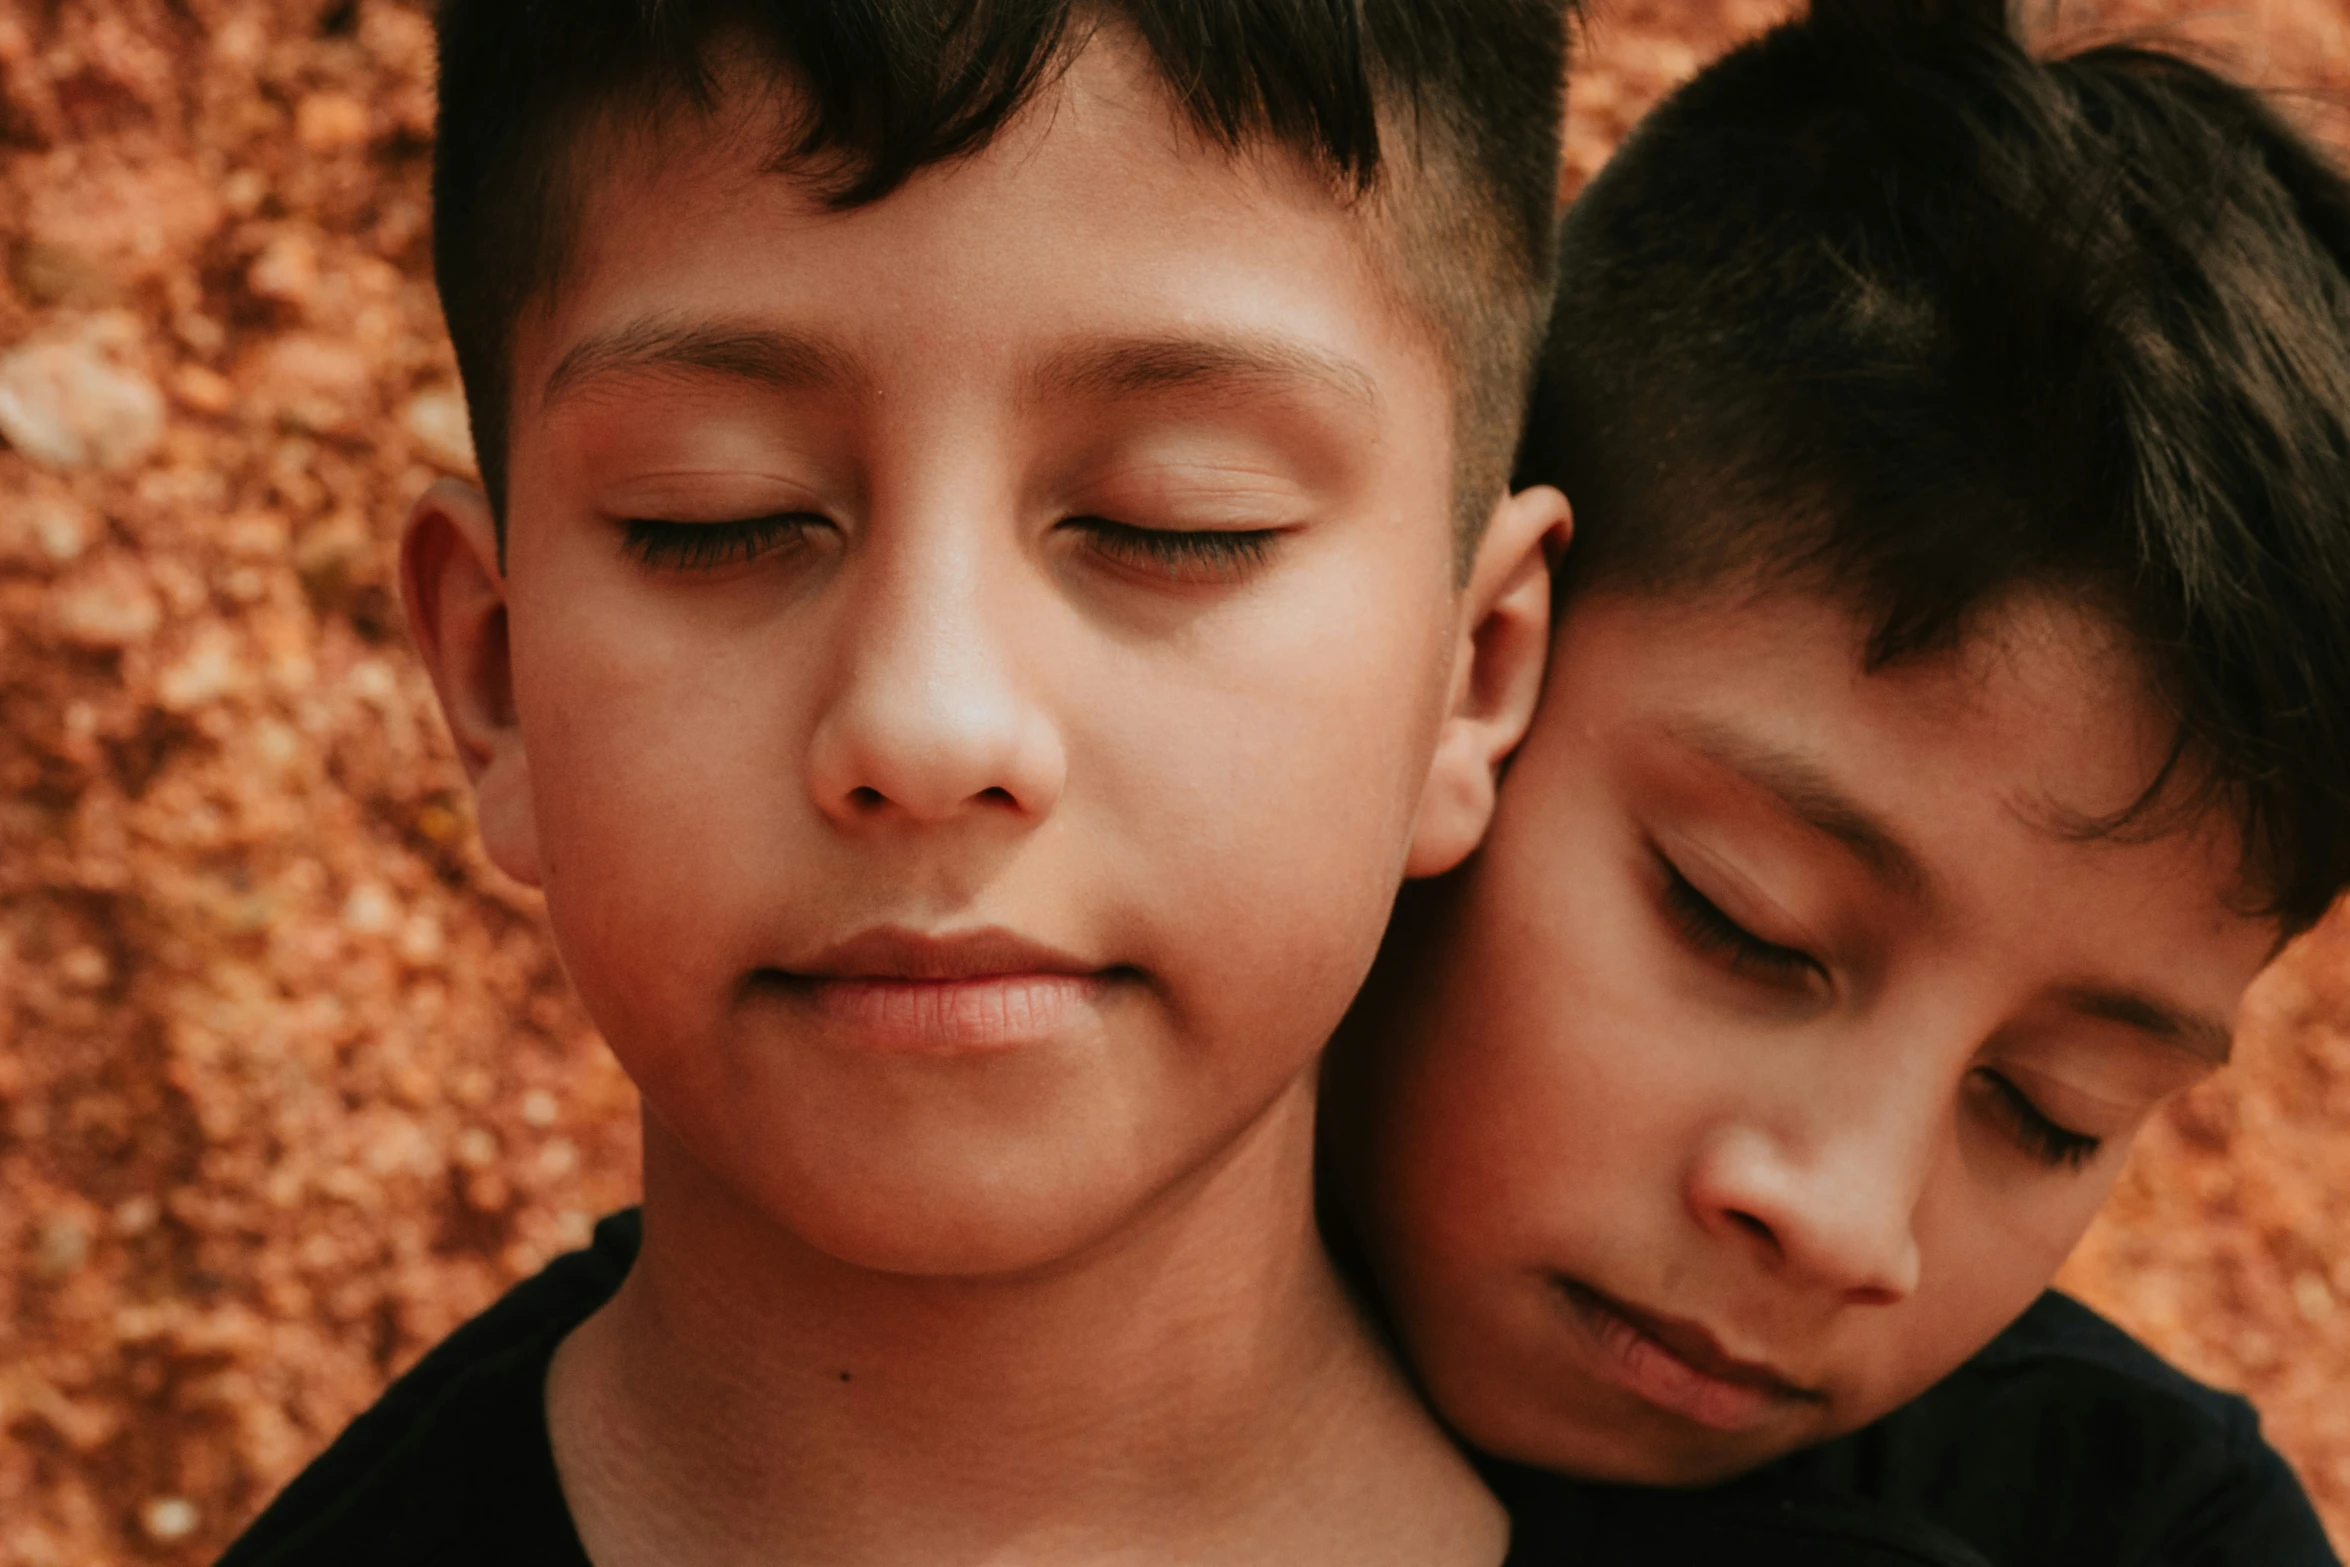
pixel 1884 307
pixel 889 87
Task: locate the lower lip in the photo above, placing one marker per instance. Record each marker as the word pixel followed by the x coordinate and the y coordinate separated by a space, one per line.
pixel 992 1013
pixel 1644 1367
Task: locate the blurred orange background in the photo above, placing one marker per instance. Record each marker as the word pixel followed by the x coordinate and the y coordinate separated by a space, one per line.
pixel 290 1080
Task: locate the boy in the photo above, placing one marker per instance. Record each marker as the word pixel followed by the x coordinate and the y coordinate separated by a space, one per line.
pixel 994 560
pixel 1949 714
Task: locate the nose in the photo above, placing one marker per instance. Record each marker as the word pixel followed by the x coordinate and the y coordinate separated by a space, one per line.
pixel 932 719
pixel 1835 1213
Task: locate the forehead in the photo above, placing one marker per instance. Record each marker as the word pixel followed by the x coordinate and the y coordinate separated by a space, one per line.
pixel 2046 704
pixel 1098 209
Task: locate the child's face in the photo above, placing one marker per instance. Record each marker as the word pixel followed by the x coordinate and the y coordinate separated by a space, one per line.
pixel 974 663
pixel 1782 1040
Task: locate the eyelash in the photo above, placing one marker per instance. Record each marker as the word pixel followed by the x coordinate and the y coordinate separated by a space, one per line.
pixel 704 546
pixel 1704 926
pixel 2053 1145
pixel 1208 555
pixel 1194 555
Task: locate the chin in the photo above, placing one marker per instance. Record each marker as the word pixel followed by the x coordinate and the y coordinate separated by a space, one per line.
pixel 981 1217
pixel 1610 1451
pixel 957 1244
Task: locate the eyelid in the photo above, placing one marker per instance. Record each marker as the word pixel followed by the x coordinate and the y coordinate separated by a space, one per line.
pixel 1202 556
pixel 1740 897
pixel 2032 1128
pixel 2067 1099
pixel 1730 948
pixel 705 492
pixel 1210 477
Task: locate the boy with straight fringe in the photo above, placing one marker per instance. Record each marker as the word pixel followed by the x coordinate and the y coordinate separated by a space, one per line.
pixel 994 559
pixel 1948 716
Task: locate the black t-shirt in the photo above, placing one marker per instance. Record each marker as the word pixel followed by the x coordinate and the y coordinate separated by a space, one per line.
pixel 452 1467
pixel 2066 1441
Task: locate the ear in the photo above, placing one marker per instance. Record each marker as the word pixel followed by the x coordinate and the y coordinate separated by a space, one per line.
pixel 1497 675
pixel 455 591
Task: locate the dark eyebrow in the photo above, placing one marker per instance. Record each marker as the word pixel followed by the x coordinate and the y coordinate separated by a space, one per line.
pixel 1243 365
pixel 1813 798
pixel 2199 1036
pixel 762 356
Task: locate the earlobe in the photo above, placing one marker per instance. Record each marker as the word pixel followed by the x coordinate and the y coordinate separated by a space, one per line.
pixel 1497 675
pixel 454 589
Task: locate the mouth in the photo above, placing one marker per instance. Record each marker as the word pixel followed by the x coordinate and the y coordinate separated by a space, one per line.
pixel 896 990
pixel 1679 1366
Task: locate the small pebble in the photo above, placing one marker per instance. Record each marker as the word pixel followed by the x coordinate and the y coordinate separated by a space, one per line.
pixel 213 667
pixel 286 270
pixel 46 530
pixel 315 383
pixel 438 420
pixel 369 910
pixel 205 391
pixel 84 968
pixel 64 1246
pixel 242 191
pixel 169 1518
pixel 327 121
pixel 70 405
pixel 108 604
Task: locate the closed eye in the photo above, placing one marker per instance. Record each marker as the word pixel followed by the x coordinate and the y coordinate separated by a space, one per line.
pixel 1185 555
pixel 705 546
pixel 1715 935
pixel 2053 1145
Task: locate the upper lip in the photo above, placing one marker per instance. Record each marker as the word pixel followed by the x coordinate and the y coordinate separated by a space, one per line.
pixel 1695 1343
pixel 892 952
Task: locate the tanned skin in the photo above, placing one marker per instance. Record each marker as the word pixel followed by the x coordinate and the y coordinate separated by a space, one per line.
pixel 965 854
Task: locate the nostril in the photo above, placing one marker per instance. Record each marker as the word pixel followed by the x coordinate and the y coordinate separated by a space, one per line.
pixel 865 797
pixel 996 796
pixel 1756 1228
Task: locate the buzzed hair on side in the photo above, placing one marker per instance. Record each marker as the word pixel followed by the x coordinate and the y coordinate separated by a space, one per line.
pixel 1882 306
pixel 882 89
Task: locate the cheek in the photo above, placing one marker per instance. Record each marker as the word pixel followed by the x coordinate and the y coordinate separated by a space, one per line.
pixel 1988 1247
pixel 1529 1113
pixel 658 771
pixel 1994 1226
pixel 1561 952
pixel 1251 810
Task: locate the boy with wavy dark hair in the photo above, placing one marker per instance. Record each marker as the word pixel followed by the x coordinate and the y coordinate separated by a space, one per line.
pixel 1948 716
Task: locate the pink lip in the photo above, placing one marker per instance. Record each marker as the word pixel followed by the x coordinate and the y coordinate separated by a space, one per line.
pixel 902 991
pixel 1679 1365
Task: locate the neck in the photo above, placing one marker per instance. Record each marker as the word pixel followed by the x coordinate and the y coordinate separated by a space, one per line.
pixel 1195 1386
